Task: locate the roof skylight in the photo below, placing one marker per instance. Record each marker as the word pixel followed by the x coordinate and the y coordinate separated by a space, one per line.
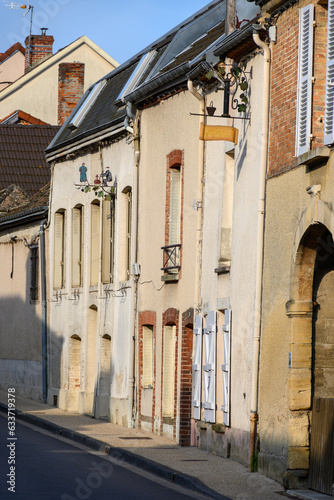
pixel 87 104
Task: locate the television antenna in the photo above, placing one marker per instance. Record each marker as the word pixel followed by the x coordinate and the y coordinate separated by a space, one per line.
pixel 28 8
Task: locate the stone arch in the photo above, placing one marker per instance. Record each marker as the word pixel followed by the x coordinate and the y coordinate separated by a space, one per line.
pixel 314 223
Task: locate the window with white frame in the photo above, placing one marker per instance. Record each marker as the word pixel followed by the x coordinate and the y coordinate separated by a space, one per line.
pixel 95 244
pixel 168 371
pixel 147 378
pixel 77 246
pixel 59 250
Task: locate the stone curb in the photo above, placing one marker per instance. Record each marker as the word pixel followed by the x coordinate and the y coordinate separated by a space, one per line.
pixel 119 454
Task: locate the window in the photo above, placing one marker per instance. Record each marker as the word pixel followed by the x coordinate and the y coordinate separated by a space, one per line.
pixel 329 99
pixel 209 367
pixel 59 250
pixel 108 222
pixel 87 102
pixel 126 234
pixel 168 371
pixel 147 380
pixel 175 206
pixel 95 244
pixel 34 273
pixel 77 246
pixel 305 70
pixel 227 210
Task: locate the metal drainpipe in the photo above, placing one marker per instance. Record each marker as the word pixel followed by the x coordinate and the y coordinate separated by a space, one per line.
pixel 260 244
pixel 201 185
pixel 44 310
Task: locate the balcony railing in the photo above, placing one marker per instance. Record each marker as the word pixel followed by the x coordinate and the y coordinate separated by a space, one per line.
pixel 171 258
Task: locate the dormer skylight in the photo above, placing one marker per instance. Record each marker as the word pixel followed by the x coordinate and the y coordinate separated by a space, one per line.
pixel 87 104
pixel 134 79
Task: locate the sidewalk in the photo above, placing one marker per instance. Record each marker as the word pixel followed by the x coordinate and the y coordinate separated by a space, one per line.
pixel 197 470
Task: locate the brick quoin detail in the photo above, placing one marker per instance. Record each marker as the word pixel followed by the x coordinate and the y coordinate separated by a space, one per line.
pixel 284 81
pixel 174 159
pixel 70 88
pixel 146 318
pixel 41 48
pixel 186 376
pixel 170 317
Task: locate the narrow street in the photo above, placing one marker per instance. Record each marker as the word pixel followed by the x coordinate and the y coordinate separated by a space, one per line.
pixel 49 468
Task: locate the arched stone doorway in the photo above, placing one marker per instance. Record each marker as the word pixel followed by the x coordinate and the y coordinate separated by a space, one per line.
pixel 310 375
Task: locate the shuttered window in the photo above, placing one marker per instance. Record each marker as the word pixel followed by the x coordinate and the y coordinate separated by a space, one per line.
pixel 209 368
pixel 168 371
pixel 34 272
pixel 197 369
pixel 107 241
pixel 59 265
pixel 329 98
pixel 147 380
pixel 128 233
pixel 77 246
pixel 175 206
pixel 305 68
pixel 226 367
pixel 95 244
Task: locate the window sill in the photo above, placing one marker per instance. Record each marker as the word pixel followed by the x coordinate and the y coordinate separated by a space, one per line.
pixel 315 157
pixel 223 269
pixel 170 278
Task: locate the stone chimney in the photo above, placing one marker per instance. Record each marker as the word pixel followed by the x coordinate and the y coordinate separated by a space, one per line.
pixel 39 48
pixel 70 88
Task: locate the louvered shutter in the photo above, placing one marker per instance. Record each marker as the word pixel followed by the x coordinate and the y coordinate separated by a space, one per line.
pixel 147 380
pixel 305 67
pixel 58 269
pixel 95 245
pixel 329 99
pixel 106 241
pixel 226 366
pixel 168 372
pixel 209 368
pixel 197 369
pixel 76 246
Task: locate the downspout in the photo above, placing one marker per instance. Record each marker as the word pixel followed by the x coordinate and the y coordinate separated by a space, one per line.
pixel 260 242
pixel 201 185
pixel 44 310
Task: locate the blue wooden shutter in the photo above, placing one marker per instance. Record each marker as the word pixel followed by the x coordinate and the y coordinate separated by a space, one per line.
pixel 304 89
pixel 329 99
pixel 209 368
pixel 197 368
pixel 226 367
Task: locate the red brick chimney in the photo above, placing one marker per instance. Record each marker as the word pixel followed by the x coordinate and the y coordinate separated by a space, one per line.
pixel 37 48
pixel 70 88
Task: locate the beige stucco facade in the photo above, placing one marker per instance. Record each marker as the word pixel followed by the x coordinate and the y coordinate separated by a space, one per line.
pixel 90 343
pixel 36 92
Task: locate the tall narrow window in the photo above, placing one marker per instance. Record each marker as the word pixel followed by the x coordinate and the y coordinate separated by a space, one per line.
pixel 108 219
pixel 147 380
pixel 168 371
pixel 227 210
pixel 34 272
pixel 305 67
pixel 126 234
pixel 59 251
pixel 175 206
pixel 77 246
pixel 94 244
pixel 329 99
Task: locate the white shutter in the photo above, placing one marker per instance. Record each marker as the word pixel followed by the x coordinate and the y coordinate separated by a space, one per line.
pixel 147 380
pixel 175 206
pixel 95 244
pixel 168 372
pixel 209 368
pixel 76 246
pixel 226 366
pixel 197 368
pixel 58 268
pixel 305 66
pixel 329 99
pixel 106 241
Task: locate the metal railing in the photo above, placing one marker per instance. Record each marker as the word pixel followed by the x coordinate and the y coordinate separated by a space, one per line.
pixel 171 258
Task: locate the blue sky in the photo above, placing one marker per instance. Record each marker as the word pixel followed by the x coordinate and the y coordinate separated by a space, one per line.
pixel 121 28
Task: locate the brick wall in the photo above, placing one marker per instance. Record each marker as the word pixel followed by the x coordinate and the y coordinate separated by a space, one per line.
pixel 284 77
pixel 70 88
pixel 40 48
pixel 146 318
pixel 186 377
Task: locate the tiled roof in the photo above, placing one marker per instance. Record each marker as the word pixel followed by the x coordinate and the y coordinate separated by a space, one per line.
pixel 176 49
pixel 14 48
pixel 21 117
pixel 22 159
pixel 16 208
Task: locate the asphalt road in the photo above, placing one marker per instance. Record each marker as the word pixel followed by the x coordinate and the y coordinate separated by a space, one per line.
pixel 37 466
